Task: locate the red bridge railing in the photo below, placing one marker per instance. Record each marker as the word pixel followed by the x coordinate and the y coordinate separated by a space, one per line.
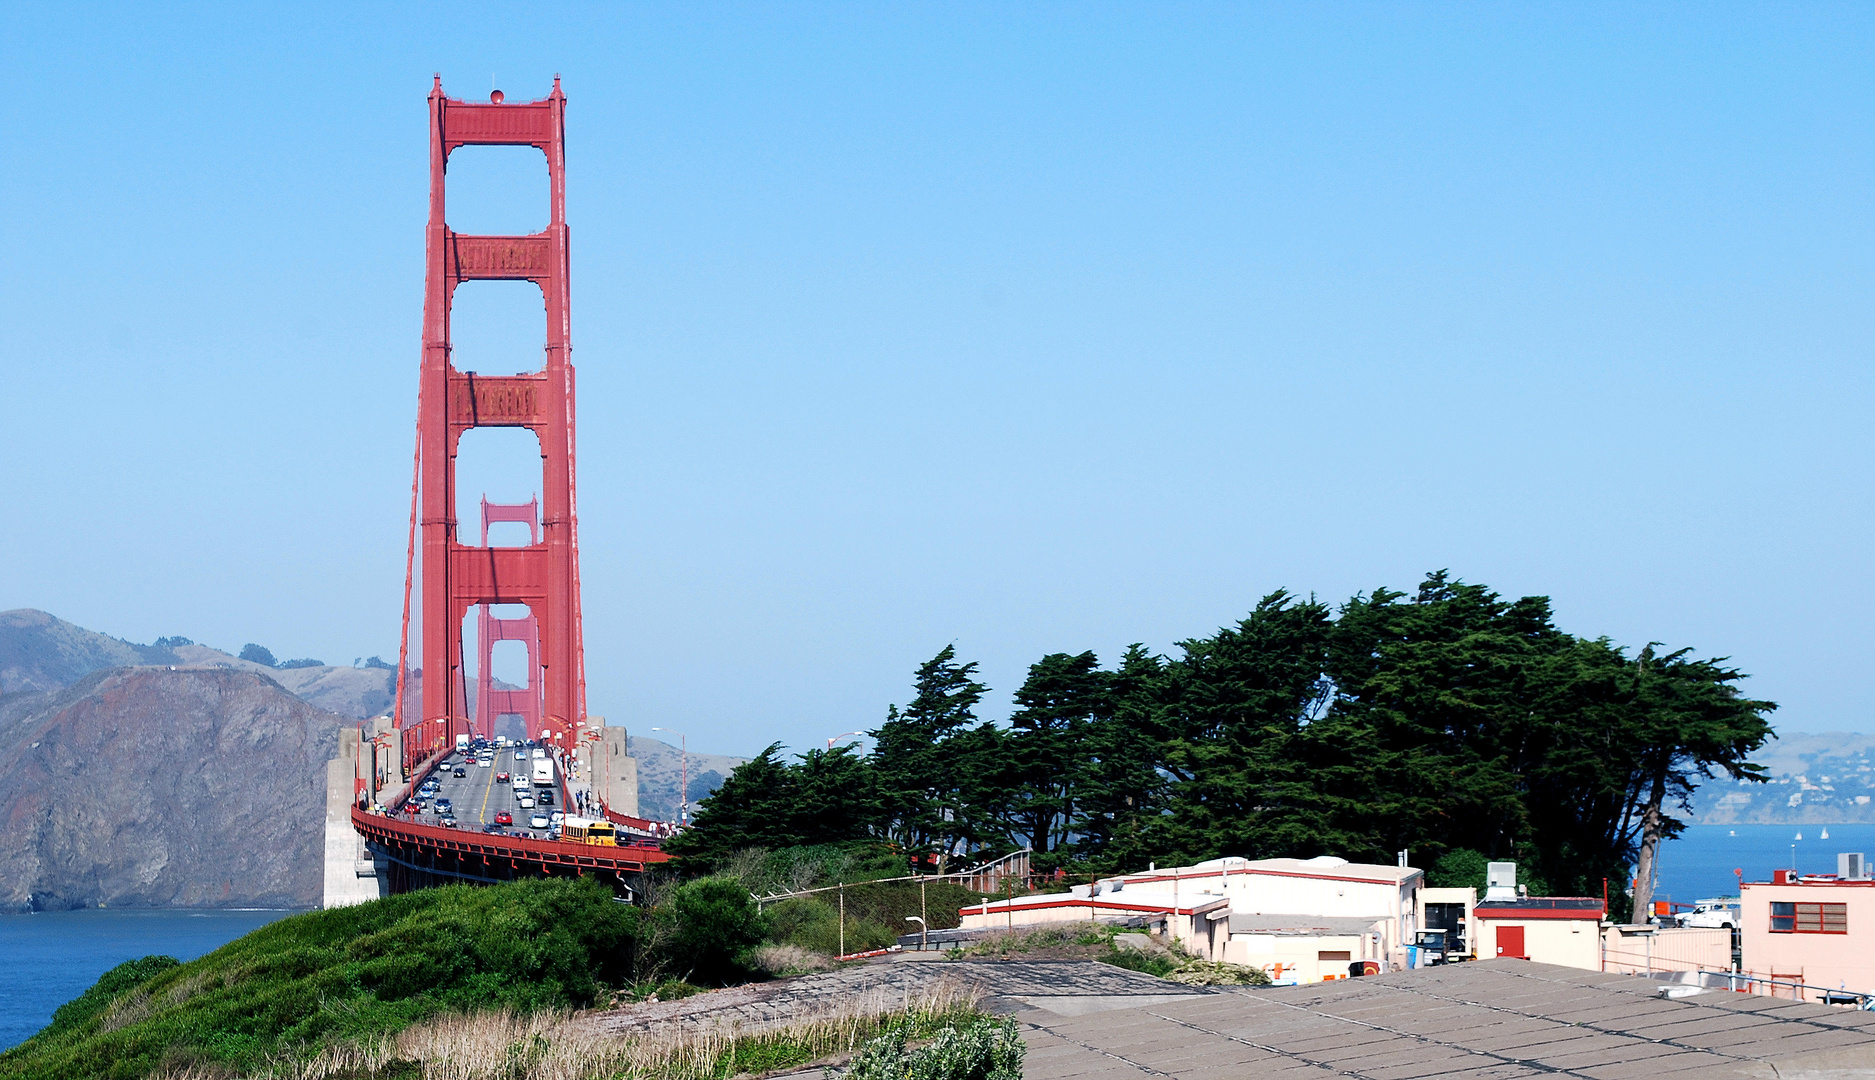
pixel 518 852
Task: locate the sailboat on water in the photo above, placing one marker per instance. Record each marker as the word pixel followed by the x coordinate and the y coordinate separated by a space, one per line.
pixel 1800 836
pixel 1825 833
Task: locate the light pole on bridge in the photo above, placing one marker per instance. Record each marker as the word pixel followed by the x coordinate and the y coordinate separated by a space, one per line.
pixel 683 796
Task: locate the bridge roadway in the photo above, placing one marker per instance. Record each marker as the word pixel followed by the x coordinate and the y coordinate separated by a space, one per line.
pixel 476 797
pixel 422 852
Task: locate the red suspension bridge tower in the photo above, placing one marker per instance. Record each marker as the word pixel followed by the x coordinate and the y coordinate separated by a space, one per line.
pixel 544 575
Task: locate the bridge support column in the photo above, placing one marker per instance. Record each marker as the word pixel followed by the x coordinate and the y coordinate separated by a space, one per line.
pixel 615 773
pixel 351 876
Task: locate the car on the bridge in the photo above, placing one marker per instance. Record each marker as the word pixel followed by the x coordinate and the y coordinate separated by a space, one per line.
pixel 557 816
pixel 443 806
pixel 520 755
pixel 501 778
pixel 540 753
pixel 502 817
pixel 538 821
pixel 545 795
pixel 461 771
pixel 484 762
pixel 524 801
pixel 448 822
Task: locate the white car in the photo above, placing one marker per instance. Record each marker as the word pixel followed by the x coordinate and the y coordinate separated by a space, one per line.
pixel 526 802
pixel 538 821
pixel 520 755
pixel 1718 913
pixel 484 762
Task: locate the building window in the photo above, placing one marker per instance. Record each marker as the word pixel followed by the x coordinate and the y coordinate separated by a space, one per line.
pixel 1792 918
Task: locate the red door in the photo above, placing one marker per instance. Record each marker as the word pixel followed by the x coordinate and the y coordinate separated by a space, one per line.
pixel 1510 942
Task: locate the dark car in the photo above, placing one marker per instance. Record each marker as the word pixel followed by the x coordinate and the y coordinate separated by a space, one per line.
pixel 502 817
pixel 460 771
pixel 544 797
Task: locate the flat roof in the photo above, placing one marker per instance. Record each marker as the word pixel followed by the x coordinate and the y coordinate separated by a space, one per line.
pixel 1303 925
pixel 1319 867
pixel 1488 1020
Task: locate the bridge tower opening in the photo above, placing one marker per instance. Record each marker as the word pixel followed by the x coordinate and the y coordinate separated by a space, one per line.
pixel 543 574
pixel 490 701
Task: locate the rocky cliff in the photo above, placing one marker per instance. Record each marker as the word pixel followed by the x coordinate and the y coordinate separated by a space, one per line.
pixel 160 787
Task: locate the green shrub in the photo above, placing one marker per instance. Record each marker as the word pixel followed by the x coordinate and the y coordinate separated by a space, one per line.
pixel 344 973
pixel 125 976
pixel 989 1049
pixel 703 931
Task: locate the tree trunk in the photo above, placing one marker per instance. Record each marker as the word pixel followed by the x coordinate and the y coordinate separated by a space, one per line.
pixel 1651 823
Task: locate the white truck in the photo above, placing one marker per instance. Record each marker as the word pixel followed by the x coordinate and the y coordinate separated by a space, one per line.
pixel 462 744
pixel 543 774
pixel 1715 914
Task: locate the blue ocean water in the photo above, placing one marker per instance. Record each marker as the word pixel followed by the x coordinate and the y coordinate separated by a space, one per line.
pixel 1701 862
pixel 56 955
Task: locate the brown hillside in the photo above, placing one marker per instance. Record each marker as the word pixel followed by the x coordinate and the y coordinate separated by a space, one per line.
pixel 146 786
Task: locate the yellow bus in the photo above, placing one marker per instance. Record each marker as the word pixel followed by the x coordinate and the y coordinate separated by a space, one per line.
pixel 583 830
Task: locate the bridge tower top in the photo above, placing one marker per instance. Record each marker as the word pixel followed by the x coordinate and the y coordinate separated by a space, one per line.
pixel 544 574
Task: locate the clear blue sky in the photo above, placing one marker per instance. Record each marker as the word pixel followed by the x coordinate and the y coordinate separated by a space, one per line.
pixel 1024 327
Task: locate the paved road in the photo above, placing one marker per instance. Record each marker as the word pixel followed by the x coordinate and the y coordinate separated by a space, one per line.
pixel 476 797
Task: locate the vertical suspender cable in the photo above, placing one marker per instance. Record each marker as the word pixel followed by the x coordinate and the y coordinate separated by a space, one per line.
pixel 410 562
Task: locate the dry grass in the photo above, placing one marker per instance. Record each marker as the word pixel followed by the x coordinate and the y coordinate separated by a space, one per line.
pixel 557 1046
pixel 782 960
pixel 127 1010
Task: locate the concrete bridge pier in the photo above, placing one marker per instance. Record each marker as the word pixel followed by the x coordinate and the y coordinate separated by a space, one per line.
pixel 352 874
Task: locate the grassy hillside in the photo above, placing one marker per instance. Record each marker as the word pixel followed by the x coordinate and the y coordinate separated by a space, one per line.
pixel 347 973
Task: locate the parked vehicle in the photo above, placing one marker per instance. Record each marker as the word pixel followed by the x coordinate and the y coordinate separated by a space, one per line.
pixel 1719 912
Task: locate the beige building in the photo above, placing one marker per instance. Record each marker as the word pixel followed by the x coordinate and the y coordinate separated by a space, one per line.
pixel 1648 950
pixel 1818 931
pixel 1293 949
pixel 1563 930
pixel 1295 918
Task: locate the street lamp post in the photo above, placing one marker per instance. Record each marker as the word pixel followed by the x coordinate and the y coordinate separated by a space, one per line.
pixel 840 736
pixel 923 930
pixel 683 796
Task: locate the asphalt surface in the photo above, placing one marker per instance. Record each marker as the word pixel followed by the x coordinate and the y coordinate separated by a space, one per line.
pixel 478 796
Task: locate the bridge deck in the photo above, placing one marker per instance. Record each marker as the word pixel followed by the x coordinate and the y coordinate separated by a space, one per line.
pixel 424 851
